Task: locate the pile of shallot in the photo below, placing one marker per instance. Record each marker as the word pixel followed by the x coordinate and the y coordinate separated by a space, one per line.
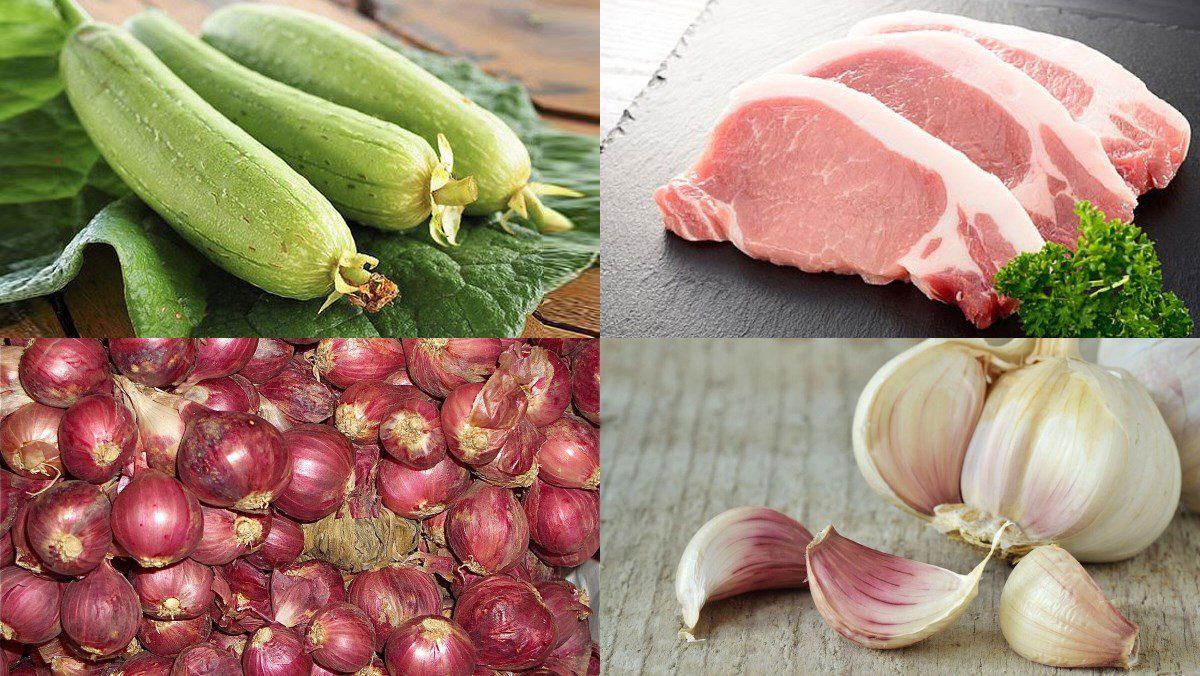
pixel 159 500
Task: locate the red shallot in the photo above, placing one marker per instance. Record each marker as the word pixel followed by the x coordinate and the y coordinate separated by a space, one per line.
pixel 96 438
pixel 205 659
pixel 585 380
pixel 516 465
pixel 506 619
pixel 217 357
pixel 322 472
pixel 341 638
pixel 60 371
pixel 155 362
pixel 28 606
pixel 282 546
pixel 476 425
pixel 345 361
pixel 299 394
pixel 160 426
pixel 227 393
pixel 544 377
pixel 575 652
pixel 430 645
pixel 12 395
pixel 100 612
pixel 167 638
pixel 156 520
pixel 179 591
pixel 270 356
pixel 439 365
pixel 561 520
pixel 243 597
pixel 567 603
pixel 412 434
pixel 416 494
pixel 67 526
pixel 570 455
pixel 275 650
pixel 487 529
pixel 228 535
pixel 393 594
pixel 146 664
pixel 235 460
pixel 576 558
pixel 29 441
pixel 364 406
pixel 300 590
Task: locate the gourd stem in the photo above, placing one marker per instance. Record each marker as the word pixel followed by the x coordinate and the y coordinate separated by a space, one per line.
pixel 456 193
pixel 72 13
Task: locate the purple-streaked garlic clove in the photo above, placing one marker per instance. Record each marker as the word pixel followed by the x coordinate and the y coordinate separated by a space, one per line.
pixel 1052 612
pixel 880 600
pixel 740 550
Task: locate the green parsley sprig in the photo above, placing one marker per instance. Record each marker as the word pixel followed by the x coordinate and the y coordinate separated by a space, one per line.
pixel 1111 286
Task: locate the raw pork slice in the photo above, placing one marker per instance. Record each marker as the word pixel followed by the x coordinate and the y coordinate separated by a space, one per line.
pixel 807 172
pixel 1145 138
pixel 1004 121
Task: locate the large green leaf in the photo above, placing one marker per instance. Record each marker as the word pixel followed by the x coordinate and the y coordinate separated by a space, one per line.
pixel 486 286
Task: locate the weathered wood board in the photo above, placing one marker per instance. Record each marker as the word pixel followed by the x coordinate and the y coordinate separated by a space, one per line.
pixel 694 427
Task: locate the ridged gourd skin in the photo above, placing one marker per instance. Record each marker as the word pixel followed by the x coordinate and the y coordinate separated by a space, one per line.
pixel 224 192
pixel 338 64
pixel 373 171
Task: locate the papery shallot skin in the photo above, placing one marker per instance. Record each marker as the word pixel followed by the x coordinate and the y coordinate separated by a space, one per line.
pixel 585 380
pixel 439 365
pixel 100 612
pixel 60 371
pixel 160 424
pixel 392 595
pixel 516 463
pixel 156 520
pixel 298 394
pixel 29 441
pixel 12 395
pixel 96 438
pixel 68 528
pixel 217 357
pixel 545 378
pixel 300 590
pixel 322 472
pixel 506 619
pixel 739 550
pixel 430 645
pixel 345 361
pixel 234 460
pixel 476 423
pixel 154 362
pixel 487 530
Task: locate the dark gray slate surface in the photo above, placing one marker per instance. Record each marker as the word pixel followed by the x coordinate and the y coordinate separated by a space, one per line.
pixel 655 284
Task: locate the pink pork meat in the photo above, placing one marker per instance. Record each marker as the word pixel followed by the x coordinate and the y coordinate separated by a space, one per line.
pixel 810 173
pixel 993 113
pixel 1145 138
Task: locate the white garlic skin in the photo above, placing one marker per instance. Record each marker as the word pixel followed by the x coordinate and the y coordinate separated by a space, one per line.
pixel 1075 454
pixel 1170 371
pixel 1052 612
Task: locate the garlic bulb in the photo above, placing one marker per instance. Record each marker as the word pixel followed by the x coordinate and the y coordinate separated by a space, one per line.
pixel 739 550
pixel 880 600
pixel 1071 452
pixel 1170 371
pixel 1052 612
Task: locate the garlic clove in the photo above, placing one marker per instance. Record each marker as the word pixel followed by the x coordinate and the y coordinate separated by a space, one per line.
pixel 740 550
pixel 880 600
pixel 915 418
pixel 1075 454
pixel 1170 371
pixel 1052 612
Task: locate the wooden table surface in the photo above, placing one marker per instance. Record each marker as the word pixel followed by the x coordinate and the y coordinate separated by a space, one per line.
pixel 550 46
pixel 694 427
